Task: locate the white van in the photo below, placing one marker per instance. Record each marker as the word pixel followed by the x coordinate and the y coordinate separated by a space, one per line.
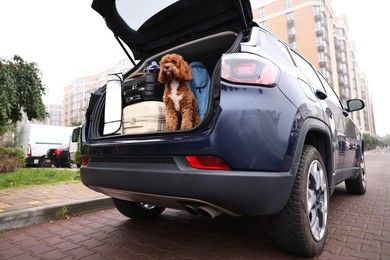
pixel 36 139
pixel 73 145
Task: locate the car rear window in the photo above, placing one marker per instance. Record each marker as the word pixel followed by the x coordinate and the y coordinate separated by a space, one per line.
pixel 136 12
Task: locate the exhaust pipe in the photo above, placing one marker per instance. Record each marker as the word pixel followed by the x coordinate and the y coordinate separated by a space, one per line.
pixel 208 212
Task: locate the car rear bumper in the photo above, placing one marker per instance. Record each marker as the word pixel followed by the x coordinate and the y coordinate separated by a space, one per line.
pixel 34 160
pixel 174 184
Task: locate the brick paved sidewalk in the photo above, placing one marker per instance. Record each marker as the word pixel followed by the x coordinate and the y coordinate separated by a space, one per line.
pixel 21 207
pixel 25 198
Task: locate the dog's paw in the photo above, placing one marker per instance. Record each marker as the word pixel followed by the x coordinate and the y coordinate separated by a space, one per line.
pixel 186 126
pixel 170 128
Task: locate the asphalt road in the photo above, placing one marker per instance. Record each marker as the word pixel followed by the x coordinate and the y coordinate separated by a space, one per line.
pixel 359 229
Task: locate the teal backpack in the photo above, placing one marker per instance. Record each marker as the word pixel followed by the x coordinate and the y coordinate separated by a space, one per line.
pixel 200 86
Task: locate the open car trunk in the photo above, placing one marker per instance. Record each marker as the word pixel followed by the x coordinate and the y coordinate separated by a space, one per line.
pixel 207 49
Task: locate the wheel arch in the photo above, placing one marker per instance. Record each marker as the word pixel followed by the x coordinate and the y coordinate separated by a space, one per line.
pixel 316 133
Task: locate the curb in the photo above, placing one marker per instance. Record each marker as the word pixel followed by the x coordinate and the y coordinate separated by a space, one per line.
pixel 27 217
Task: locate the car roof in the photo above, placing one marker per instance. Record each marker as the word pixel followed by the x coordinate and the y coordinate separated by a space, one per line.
pixel 147 26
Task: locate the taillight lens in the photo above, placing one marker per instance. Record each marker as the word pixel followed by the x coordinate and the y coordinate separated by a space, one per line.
pixel 57 151
pixel 29 150
pixel 246 68
pixel 84 160
pixel 207 163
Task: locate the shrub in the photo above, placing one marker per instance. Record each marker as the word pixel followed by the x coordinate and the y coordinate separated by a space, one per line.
pixel 10 159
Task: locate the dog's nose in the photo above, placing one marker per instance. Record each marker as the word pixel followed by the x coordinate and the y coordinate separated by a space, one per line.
pixel 167 66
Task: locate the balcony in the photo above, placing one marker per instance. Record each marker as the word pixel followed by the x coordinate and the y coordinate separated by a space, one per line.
pixel 323 64
pixel 291 37
pixel 318 17
pixel 319 32
pixel 321 48
pixel 290 23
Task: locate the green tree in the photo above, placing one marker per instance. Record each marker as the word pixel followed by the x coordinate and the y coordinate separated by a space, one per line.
pixel 370 142
pixel 21 90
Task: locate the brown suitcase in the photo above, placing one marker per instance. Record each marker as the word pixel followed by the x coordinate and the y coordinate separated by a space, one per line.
pixel 143 117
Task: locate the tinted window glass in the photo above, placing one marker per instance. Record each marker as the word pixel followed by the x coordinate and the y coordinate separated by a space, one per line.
pixel 307 70
pixel 272 47
pixel 136 12
pixel 284 50
pixel 330 92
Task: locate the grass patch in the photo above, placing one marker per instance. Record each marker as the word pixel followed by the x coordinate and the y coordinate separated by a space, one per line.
pixel 63 213
pixel 25 177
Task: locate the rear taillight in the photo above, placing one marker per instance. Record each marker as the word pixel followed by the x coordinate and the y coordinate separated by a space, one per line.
pixel 84 160
pixel 29 150
pixel 207 163
pixel 57 151
pixel 246 68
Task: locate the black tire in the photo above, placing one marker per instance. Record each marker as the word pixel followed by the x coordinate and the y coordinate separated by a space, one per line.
pixel 359 185
pixel 301 227
pixel 42 162
pixel 137 211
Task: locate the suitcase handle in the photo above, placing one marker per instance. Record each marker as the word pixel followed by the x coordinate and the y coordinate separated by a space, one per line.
pixel 133 98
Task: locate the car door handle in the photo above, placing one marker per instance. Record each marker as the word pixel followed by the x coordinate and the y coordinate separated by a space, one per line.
pixel 321 94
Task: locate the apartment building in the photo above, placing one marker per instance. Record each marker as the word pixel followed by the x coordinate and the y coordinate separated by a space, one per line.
pixel 311 28
pixel 78 92
pixel 54 110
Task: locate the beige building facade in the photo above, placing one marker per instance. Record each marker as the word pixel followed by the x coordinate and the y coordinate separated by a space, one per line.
pixel 311 28
pixel 78 92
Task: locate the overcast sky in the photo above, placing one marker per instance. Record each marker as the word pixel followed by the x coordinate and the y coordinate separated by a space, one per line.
pixel 368 28
pixel 62 37
pixel 67 37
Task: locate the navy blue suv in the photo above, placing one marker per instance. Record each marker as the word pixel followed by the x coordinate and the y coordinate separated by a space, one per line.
pixel 275 139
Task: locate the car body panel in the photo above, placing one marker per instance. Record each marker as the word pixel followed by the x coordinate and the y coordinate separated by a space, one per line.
pixel 176 185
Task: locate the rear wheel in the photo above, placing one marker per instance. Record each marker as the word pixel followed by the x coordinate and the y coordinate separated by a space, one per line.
pixel 42 162
pixel 358 185
pixel 301 227
pixel 137 211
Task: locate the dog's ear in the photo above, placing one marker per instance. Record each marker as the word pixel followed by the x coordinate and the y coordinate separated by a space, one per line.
pixel 161 77
pixel 185 70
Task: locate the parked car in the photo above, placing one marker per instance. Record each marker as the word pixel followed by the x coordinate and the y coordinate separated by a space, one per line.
pixel 36 139
pixel 59 157
pixel 273 140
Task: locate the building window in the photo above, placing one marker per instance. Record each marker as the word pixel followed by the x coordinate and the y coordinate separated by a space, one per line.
pixel 291 34
pixel 288 3
pixel 343 68
pixel 290 16
pixel 261 11
pixel 291 31
pixel 317 9
pixel 321 57
pixel 343 56
pixel 341 44
pixel 325 73
pixel 293 44
pixel 340 32
pixel 346 92
pixel 319 25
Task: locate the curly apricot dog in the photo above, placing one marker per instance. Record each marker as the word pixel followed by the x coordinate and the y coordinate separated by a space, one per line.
pixel 181 107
